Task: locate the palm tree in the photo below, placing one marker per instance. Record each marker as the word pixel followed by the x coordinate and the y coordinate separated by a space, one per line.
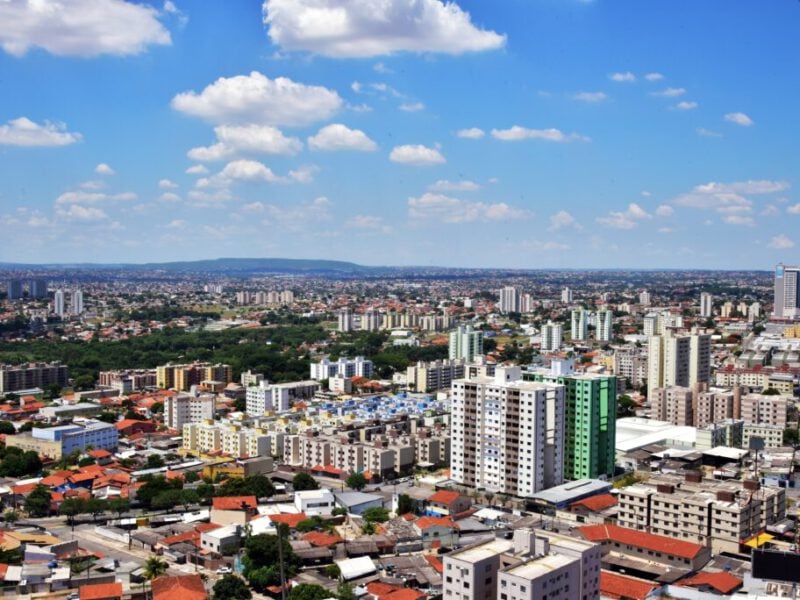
pixel 154 568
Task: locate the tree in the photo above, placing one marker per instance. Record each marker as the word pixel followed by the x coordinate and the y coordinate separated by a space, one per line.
pixel 119 505
pixel 376 514
pixel 7 428
pixel 71 508
pixel 154 568
pixel 231 587
pixel 37 504
pixel 406 504
pixel 262 558
pixel 770 391
pixel 308 591
pixel 190 477
pixel 166 499
pixel 96 506
pixel 356 481
pixel 260 486
pixel 333 571
pixel 344 591
pixel 304 481
pixel 791 436
pixel 154 461
pixel 11 516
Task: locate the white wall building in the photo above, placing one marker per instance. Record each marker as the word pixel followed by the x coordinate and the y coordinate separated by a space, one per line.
pixel 184 408
pixel 552 336
pixel 344 367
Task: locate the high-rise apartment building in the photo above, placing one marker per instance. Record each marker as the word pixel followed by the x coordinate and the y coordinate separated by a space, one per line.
pixel 344 367
pixel 345 320
pixel 507 434
pixel 566 295
pixel 673 404
pixel 674 360
pixel 787 291
pixel 371 320
pixel 590 410
pixel 509 300
pixel 552 336
pixel 32 375
pixel 14 289
pixel 706 305
pixel 38 288
pixel 59 307
pixel 183 377
pixel 77 303
pixel 580 325
pixel 466 343
pixel 645 298
pixel 183 408
pixel 604 327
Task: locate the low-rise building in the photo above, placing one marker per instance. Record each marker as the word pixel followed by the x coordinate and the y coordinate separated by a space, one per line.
pixel 315 502
pixel 55 442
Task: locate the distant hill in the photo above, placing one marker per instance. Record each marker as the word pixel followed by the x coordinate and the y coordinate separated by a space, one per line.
pixel 217 265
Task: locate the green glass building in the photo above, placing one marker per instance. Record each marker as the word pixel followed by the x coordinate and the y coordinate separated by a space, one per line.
pixel 591 423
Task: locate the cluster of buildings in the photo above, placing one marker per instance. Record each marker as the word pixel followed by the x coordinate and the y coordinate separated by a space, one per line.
pixel 246 298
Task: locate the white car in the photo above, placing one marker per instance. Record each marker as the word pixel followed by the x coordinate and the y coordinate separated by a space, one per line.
pixel 224 571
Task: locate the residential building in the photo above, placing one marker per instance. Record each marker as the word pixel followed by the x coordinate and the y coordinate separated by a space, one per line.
pixel 278 397
pixel 345 320
pixel 630 363
pixel 319 502
pixel 509 300
pixel 771 435
pixel 128 380
pixel 38 288
pixel 706 305
pixel 754 312
pixel 507 434
pixel 678 360
pixel 673 404
pixel 32 375
pixel 466 343
pixel 249 378
pixel 552 336
pixel 371 320
pixel 580 325
pixel 344 367
pixel 644 298
pixel 59 303
pixel 14 289
pixel 590 416
pixel 183 377
pixel 787 292
pixel 764 410
pixel 233 439
pixel 566 295
pixel 604 326
pixel 184 408
pixel 438 375
pixel 77 303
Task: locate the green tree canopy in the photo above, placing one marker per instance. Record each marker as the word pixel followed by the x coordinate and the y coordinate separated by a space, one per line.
pixel 356 481
pixel 304 481
pixel 231 587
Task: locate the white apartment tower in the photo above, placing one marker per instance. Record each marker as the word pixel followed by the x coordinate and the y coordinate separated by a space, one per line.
pixel 677 361
pixel 371 320
pixel 58 303
pixel 706 305
pixel 77 303
pixel 466 343
pixel 645 298
pixel 507 434
pixel 604 329
pixel 566 295
pixel 509 300
pixel 345 320
pixel 183 408
pixel 580 324
pixel 787 291
pixel 552 336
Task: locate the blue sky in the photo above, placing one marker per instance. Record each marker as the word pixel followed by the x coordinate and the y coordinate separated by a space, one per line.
pixel 513 133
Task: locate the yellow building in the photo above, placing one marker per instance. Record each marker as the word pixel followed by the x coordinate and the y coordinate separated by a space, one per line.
pixel 183 377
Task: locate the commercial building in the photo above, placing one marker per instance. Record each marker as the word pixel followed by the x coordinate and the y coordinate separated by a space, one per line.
pixel 184 408
pixel 466 343
pixel 787 292
pixel 70 411
pixel 507 434
pixel 344 367
pixel 183 377
pixel 55 442
pixel 590 414
pixel 14 378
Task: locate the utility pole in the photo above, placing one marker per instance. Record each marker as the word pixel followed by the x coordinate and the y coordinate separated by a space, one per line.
pixel 280 561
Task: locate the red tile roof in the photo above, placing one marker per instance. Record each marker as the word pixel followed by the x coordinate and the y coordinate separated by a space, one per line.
pixel 100 591
pixel 596 503
pixel 290 519
pixel 321 539
pixel 404 594
pixel 614 585
pixel 435 563
pixel 640 539
pixel 99 453
pixel 444 497
pixel 180 587
pixel 723 582
pixel 427 522
pixel 234 502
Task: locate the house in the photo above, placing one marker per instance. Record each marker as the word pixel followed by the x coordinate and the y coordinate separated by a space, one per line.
pixel 180 587
pixel 447 503
pixel 622 587
pixel 594 510
pixel 315 502
pixel 721 582
pixel 442 530
pixel 101 591
pixel 233 510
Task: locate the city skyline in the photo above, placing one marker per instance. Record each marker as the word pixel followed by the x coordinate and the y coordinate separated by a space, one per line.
pixel 574 134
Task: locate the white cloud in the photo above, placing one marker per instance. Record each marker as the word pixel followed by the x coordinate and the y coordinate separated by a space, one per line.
pixel 246 139
pixel 751 186
pixel 770 210
pixel 590 96
pixel 82 197
pixel 561 220
pixel 381 68
pixel 204 199
pixel 703 132
pixel 781 242
pixel 623 77
pixel 24 132
pixel 670 92
pixel 665 210
pixel 473 133
pixel 444 185
pixel 738 220
pixel 369 223
pixel 739 118
pixel 364 28
pixel 167 184
pixel 340 137
pixel 686 105
pixel 176 224
pixel 304 174
pixel 624 220
pixel 77 212
pixel 438 207
pixel 104 169
pixel 417 155
pixel 239 171
pixel 169 197
pixel 654 77
pixel 794 209
pixel 81 28
pixel 197 170
pixel 93 184
pixel 412 106
pixel 255 98
pixel 517 133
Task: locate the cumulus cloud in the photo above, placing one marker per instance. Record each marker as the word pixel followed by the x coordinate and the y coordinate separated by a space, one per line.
pixel 703 132
pixel 686 105
pixel 176 224
pixel 670 92
pixel 296 217
pixel 417 155
pixel 169 197
pixel 562 220
pixel 623 77
pixel 439 207
pixel 473 133
pixel 80 28
pixel 257 99
pixel 77 212
pixel 167 184
pixel 252 171
pixel 794 209
pixel 625 220
pixel 24 132
pixel 781 242
pixel 590 96
pixel 86 197
pixel 732 199
pixel 246 139
pixel 517 133
pixel 104 169
pixel 443 185
pixel 368 223
pixel 739 118
pixel 665 210
pixel 364 28
pixel 412 106
pixel 340 137
pixel 197 170
pixel 654 76
pixel 738 220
